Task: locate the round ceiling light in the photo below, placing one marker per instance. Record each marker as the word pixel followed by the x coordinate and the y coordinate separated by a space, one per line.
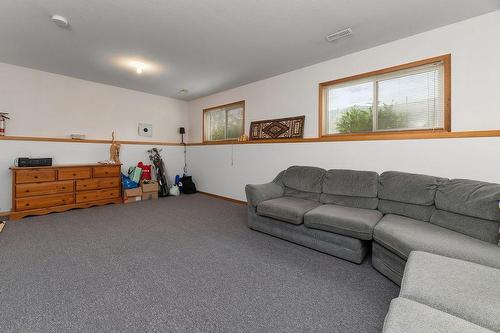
pixel 138 65
pixel 60 21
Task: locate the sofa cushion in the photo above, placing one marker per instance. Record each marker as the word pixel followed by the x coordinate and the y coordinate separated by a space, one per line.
pixel 304 178
pixel 469 207
pixel 408 187
pixel 348 221
pixel 484 230
pixel 350 188
pixel 402 235
pixel 286 209
pixel 412 317
pixel 352 183
pixel 290 192
pixel 344 200
pixel 460 288
pixel 470 197
pixel 418 212
pixel 404 193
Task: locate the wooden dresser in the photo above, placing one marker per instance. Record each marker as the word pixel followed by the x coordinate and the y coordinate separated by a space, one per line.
pixel 42 190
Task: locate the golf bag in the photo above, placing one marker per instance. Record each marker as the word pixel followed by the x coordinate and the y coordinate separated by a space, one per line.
pixel 161 172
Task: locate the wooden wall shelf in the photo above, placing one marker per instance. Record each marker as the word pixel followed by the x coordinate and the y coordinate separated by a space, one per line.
pixel 415 135
pixel 68 140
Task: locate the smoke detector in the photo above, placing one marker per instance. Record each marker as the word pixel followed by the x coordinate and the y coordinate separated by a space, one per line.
pixel 183 91
pixel 60 21
pixel 339 34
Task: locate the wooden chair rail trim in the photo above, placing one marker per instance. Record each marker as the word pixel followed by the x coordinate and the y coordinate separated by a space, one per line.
pixel 68 140
pixel 331 138
pixel 368 137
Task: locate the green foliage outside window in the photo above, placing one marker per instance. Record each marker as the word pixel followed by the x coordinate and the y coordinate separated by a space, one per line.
pixel 360 119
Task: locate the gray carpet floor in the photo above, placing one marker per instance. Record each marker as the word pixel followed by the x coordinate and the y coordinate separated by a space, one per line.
pixel 186 264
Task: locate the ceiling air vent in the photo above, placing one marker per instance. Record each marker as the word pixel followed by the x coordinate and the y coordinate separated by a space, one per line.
pixel 339 34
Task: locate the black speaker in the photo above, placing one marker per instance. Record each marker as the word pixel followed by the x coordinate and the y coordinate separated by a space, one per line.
pixel 182 130
pixel 33 162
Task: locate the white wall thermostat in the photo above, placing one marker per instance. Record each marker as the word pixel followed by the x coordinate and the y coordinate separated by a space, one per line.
pixel 145 129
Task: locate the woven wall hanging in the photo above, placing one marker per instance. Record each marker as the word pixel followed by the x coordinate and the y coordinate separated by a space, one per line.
pixel 283 128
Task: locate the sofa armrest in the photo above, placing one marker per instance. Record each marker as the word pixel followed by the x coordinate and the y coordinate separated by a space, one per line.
pixel 261 192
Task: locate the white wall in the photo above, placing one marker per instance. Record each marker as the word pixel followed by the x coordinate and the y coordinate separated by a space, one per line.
pixel 475 106
pixel 51 105
pixel 71 153
pixel 224 170
pixel 46 104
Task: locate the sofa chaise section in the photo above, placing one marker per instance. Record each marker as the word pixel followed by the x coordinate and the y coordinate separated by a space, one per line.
pixel 407 316
pixel 441 294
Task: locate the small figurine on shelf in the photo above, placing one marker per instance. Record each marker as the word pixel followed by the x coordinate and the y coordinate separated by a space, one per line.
pixel 243 137
pixel 114 150
pixel 3 118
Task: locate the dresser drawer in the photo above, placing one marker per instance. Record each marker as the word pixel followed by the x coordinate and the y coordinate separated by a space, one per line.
pixel 35 176
pixel 73 173
pixel 30 190
pixel 44 201
pixel 106 171
pixel 89 196
pixel 97 183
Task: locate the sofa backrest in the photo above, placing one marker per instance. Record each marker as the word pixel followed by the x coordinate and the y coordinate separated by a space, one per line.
pixel 303 182
pixel 469 207
pixel 350 188
pixel 407 194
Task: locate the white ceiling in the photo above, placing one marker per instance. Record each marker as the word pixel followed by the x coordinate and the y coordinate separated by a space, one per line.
pixel 207 46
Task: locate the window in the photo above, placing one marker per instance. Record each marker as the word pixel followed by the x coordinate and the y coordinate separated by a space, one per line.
pixel 403 98
pixel 225 122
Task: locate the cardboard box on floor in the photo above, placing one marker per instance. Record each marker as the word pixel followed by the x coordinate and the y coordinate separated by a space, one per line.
pixel 132 195
pixel 149 187
pixel 149 195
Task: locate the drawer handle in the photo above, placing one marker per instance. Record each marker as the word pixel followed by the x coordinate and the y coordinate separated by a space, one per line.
pixel 74 174
pixel 85 197
pixel 36 177
pixel 27 205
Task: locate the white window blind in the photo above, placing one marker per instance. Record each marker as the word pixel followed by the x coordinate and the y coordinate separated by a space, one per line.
pixel 409 99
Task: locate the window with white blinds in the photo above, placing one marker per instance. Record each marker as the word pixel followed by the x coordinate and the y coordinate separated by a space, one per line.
pixel 407 99
pixel 225 122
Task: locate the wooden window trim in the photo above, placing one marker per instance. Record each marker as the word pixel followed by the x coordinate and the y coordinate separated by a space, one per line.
pixel 446 59
pixel 220 107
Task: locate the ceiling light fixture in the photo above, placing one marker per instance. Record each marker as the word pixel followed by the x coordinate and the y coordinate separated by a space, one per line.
pixel 183 91
pixel 60 21
pixel 339 34
pixel 139 66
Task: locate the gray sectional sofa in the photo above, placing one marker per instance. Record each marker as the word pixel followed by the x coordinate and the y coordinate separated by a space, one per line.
pixel 441 294
pixel 347 213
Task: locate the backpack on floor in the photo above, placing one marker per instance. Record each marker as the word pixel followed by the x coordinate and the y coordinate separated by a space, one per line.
pixel 188 186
